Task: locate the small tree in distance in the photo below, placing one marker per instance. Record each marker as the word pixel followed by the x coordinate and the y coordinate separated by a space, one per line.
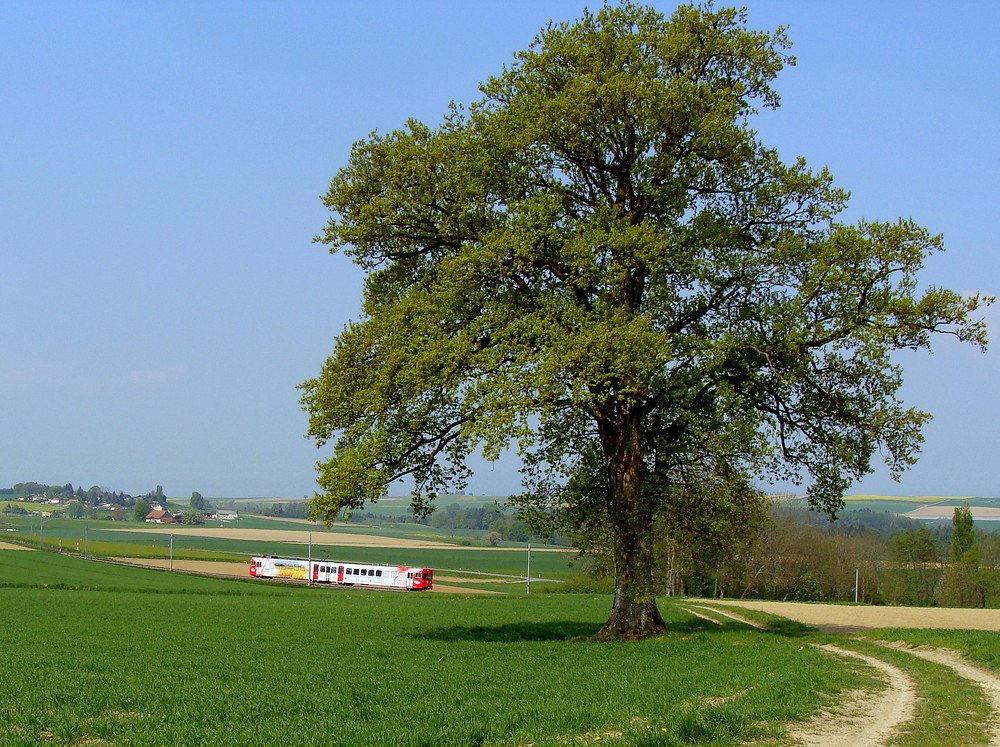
pixel 600 263
pixel 916 552
pixel 962 584
pixel 140 511
pixel 963 532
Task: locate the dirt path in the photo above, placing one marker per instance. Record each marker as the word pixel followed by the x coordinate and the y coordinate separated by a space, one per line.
pixel 872 719
pixel 693 609
pixel 863 718
pixel 10 546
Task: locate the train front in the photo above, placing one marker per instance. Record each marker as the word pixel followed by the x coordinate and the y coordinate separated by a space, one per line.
pixel 423 579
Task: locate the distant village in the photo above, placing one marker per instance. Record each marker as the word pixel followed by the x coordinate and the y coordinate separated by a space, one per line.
pixel 75 503
pixel 158 513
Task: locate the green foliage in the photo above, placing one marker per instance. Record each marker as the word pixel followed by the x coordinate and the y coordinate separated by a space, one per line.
pixel 599 262
pixel 963 583
pixel 291 510
pixel 76 510
pixel 66 492
pixel 140 511
pixel 963 532
pixel 15 509
pixel 916 551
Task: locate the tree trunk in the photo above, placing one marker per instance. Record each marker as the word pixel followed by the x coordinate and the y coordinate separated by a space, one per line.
pixel 634 613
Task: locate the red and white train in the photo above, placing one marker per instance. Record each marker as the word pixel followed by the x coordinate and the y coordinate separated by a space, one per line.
pixel 345 574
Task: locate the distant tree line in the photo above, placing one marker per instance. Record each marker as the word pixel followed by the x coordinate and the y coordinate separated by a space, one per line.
pixel 497 524
pixel 798 555
pixel 289 510
pixel 93 495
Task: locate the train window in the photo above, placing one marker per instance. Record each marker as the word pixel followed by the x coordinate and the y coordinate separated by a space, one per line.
pixel 409 575
pixel 378 573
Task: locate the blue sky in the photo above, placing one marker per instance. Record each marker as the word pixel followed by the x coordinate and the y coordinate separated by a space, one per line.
pixel 161 166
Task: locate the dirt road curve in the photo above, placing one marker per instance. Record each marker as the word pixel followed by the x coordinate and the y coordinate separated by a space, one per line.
pixel 864 719
pixel 875 718
pixel 837 618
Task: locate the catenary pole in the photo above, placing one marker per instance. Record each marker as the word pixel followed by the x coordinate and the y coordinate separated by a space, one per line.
pixel 528 590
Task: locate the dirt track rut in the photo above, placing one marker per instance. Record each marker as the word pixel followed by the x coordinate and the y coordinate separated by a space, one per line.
pixel 873 719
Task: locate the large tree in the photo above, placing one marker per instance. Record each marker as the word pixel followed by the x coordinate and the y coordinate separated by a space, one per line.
pixel 599 262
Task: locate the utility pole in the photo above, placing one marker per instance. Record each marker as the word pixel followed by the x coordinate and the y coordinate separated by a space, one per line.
pixel 528 590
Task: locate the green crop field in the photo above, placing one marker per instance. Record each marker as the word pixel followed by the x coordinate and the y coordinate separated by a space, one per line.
pixel 101 654
pixel 201 666
pixel 20 569
pixel 26 505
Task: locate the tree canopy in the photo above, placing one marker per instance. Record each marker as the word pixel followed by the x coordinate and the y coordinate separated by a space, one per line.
pixel 599 262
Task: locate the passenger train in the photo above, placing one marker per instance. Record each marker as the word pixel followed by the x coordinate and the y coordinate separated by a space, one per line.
pixel 345 574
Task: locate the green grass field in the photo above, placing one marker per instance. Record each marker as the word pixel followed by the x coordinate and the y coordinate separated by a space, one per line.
pixel 26 505
pixel 101 654
pixel 27 569
pixel 204 665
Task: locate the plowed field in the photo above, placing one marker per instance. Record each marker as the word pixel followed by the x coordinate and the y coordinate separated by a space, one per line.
pixel 839 618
